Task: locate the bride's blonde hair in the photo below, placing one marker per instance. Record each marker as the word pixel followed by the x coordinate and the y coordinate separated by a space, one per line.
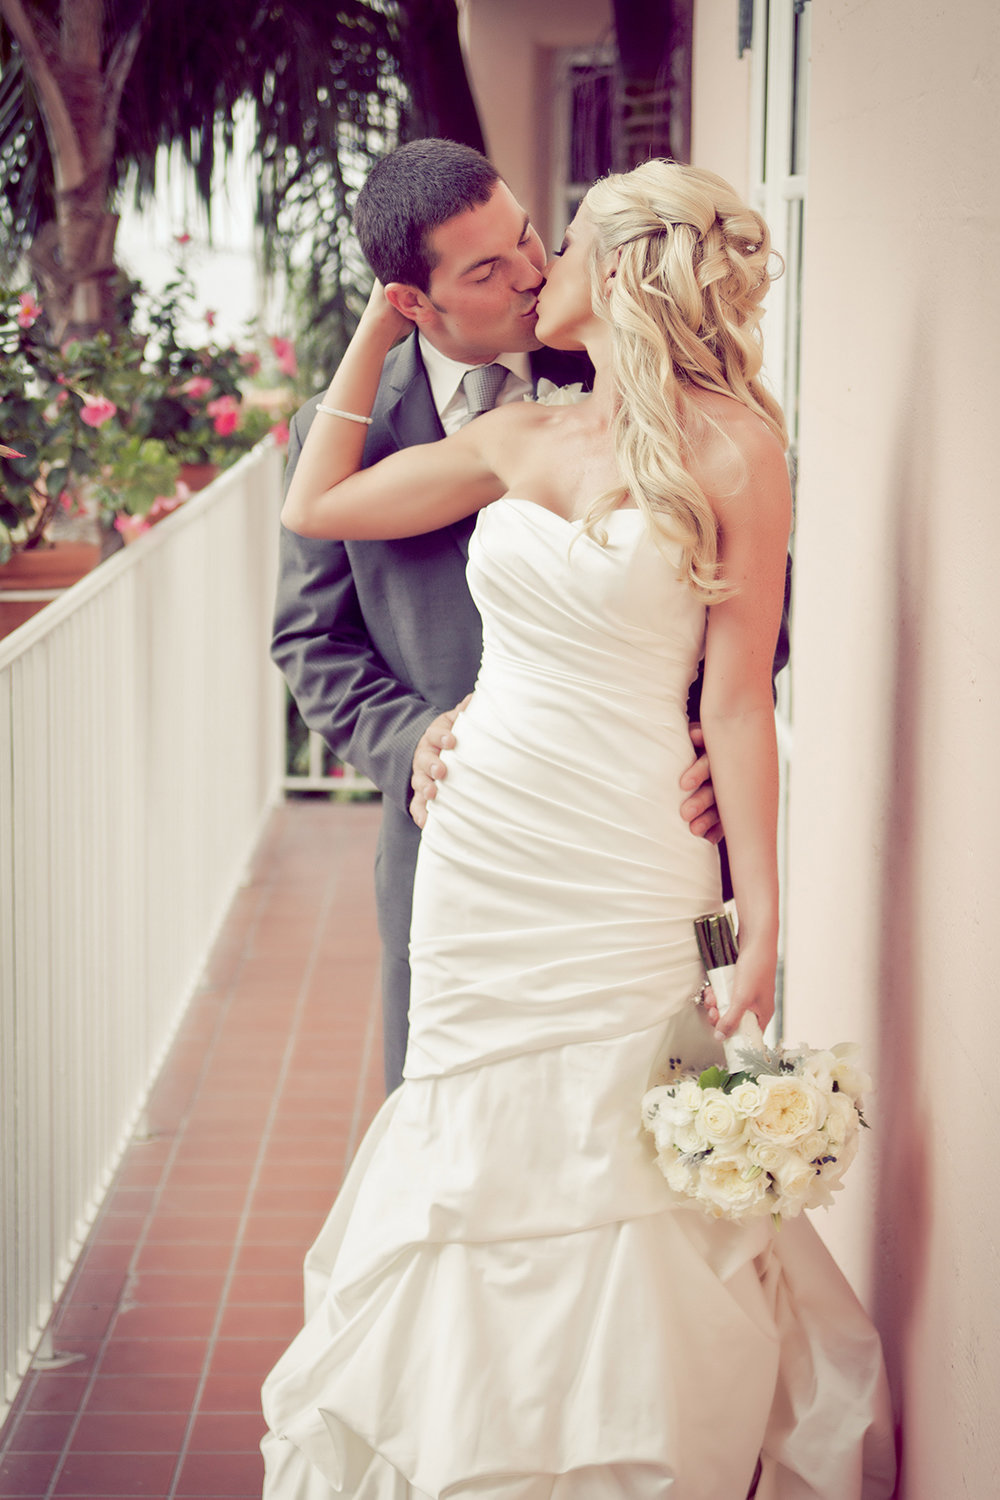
pixel 685 309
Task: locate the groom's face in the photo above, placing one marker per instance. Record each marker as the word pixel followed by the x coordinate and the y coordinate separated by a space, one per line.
pixel 485 282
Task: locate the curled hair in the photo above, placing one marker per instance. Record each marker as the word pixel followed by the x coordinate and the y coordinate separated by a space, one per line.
pixel 685 309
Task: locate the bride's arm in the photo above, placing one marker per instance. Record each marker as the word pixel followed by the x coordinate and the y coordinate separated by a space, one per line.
pixel 737 709
pixel 416 490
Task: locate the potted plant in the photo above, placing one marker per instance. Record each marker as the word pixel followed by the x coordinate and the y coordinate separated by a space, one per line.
pixel 106 426
pixel 199 411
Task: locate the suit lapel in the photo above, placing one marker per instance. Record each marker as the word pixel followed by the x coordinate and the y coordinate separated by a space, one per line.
pixel 405 415
pixel 410 413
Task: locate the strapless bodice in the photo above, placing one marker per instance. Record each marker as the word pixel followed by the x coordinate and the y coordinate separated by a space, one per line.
pixel 613 619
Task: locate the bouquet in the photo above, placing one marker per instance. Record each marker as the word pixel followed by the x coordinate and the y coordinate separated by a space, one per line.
pixel 771 1132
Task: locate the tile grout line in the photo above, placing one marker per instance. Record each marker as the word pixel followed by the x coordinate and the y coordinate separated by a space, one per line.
pixel 333 886
pixel 132 1271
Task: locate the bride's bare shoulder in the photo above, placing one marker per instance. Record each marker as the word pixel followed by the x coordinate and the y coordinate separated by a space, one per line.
pixel 517 421
pixel 732 444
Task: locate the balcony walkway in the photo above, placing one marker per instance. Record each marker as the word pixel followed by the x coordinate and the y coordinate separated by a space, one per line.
pixel 190 1285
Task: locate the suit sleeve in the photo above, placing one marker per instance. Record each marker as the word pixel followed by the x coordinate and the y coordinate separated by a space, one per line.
pixel 341 686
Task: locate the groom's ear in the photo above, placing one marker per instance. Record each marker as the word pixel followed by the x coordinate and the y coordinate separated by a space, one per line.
pixel 409 301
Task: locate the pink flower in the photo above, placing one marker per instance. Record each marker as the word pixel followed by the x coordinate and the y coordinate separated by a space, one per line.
pixel 226 413
pixel 6 452
pixel 182 239
pixel 250 362
pixel 284 353
pixel 131 527
pixel 198 386
pixel 210 317
pixel 280 433
pixel 97 410
pixel 30 310
pixel 70 503
pixel 162 506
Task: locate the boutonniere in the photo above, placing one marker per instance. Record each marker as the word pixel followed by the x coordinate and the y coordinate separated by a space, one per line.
pixel 547 393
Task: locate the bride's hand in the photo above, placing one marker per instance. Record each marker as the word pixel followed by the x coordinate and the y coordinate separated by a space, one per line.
pixel 753 989
pixel 381 318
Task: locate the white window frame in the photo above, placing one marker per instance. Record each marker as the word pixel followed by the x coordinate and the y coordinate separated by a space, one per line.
pixel 566 194
pixel 779 108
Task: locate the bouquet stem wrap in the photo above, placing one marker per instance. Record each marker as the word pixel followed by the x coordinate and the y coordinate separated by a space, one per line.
pixel 719 950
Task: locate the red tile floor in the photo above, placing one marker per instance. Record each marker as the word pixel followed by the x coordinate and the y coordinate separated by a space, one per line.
pixel 190 1284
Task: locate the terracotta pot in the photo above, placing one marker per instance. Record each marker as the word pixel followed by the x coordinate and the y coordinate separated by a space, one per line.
pixel 197 476
pixel 48 571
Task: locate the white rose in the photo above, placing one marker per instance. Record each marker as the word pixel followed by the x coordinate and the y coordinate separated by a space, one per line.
pixel 792 1108
pixel 689 1095
pixel 814 1146
pixel 731 1187
pixel 718 1120
pixel 765 1154
pixel 689 1139
pixel 794 1176
pixel 652 1104
pixel 680 1175
pixel 747 1100
pixel 846 1074
pixel 678 1108
pixel 841 1119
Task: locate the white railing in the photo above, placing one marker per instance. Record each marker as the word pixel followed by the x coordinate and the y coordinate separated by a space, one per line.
pixel 321 771
pixel 140 748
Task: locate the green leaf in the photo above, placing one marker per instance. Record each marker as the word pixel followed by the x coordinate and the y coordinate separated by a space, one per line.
pixel 713 1078
pixel 735 1079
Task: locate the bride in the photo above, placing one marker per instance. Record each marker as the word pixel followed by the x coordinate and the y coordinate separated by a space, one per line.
pixel 507 1300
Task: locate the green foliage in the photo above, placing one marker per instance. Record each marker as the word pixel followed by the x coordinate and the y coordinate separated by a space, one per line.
pixel 718 1078
pixel 332 89
pixel 326 91
pixel 136 473
pixel 111 421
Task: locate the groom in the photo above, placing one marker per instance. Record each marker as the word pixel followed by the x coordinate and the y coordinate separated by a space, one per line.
pixel 379 640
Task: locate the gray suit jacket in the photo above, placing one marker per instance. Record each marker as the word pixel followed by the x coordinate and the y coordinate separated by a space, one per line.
pixel 377 638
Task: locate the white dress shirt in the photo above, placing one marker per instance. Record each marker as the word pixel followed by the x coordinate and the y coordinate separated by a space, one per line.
pixel 445 377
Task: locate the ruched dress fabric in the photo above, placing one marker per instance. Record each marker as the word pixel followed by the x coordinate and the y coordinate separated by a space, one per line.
pixel 507 1302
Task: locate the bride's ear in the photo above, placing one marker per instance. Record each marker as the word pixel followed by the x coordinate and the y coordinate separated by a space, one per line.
pixel 610 271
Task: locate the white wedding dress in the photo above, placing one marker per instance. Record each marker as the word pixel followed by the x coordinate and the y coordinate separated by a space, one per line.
pixel 507 1301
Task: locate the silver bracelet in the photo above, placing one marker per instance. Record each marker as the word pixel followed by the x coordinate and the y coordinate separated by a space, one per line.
pixel 352 416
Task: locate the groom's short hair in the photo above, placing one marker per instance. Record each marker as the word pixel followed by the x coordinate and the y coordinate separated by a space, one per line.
pixel 410 193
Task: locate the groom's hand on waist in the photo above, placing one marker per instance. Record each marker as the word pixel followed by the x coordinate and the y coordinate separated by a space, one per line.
pixel 428 767
pixel 698 809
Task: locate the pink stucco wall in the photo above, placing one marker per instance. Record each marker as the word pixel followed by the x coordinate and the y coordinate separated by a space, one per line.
pixel 719 132
pixel 894 881
pixel 893 937
pixel 510 47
